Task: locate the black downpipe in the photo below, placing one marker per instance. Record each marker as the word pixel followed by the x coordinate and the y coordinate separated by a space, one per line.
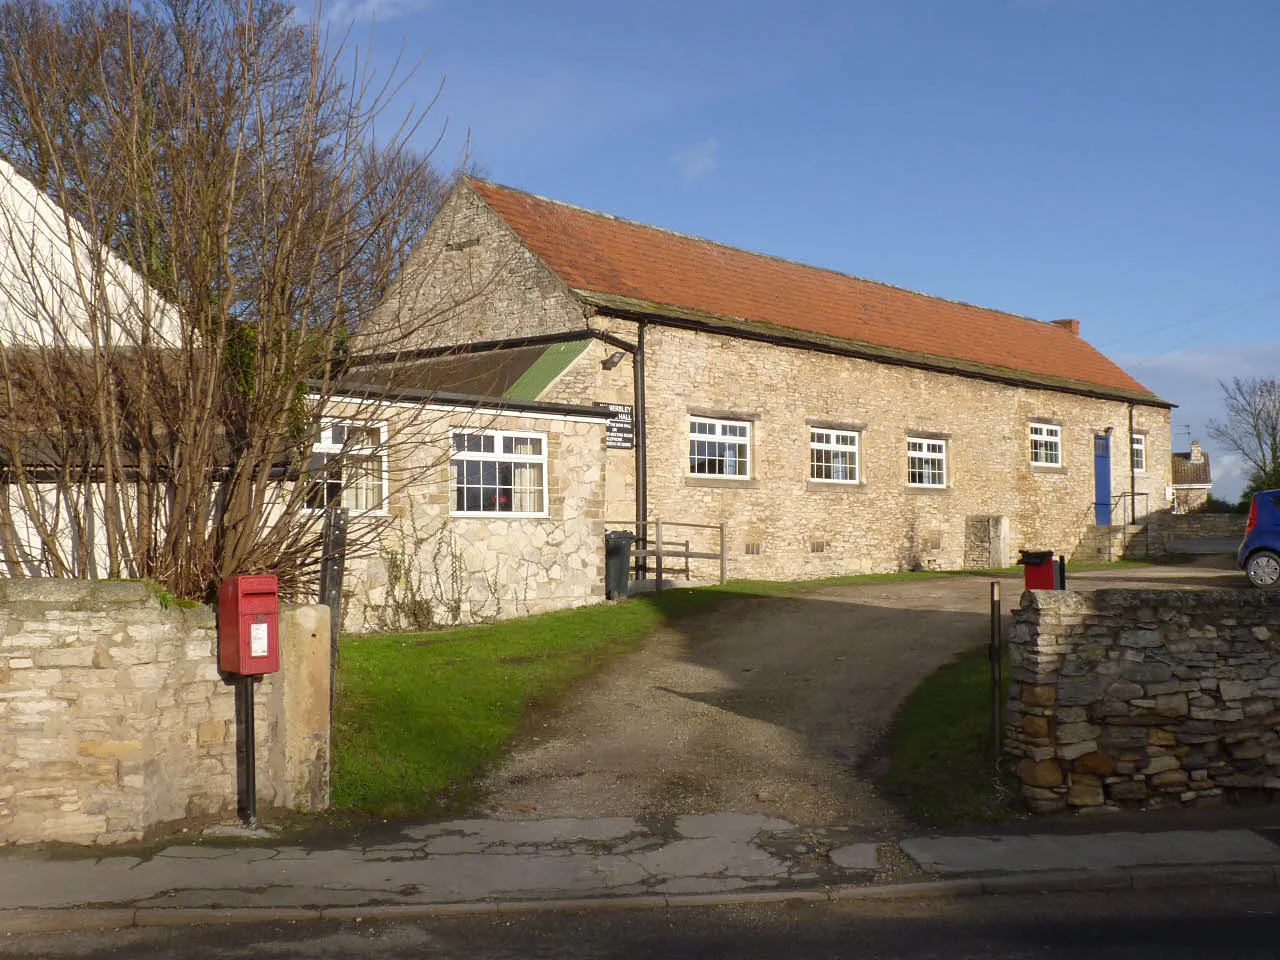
pixel 642 458
pixel 1133 480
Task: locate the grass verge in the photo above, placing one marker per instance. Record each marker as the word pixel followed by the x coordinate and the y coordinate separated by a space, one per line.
pixel 418 714
pixel 940 749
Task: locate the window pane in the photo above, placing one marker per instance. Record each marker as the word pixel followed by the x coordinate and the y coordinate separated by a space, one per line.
pixel 523 446
pixel 488 481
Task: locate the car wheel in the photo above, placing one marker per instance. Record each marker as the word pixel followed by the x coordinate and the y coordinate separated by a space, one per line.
pixel 1263 569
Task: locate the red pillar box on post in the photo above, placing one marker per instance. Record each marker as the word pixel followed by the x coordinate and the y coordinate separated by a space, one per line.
pixel 248 647
pixel 249 625
pixel 1038 570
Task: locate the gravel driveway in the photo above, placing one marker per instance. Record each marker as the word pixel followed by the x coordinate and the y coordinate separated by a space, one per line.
pixel 767 705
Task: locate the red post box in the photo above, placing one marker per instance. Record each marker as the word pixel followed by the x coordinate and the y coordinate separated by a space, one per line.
pixel 1039 572
pixel 249 625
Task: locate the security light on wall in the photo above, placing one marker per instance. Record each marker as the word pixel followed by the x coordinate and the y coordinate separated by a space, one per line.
pixel 612 360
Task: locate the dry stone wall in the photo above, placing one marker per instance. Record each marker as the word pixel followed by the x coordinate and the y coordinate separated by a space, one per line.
pixel 1144 698
pixel 114 720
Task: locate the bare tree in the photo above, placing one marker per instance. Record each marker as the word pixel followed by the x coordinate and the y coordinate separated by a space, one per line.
pixel 197 220
pixel 1252 427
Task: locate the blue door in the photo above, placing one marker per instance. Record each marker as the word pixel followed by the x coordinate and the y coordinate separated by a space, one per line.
pixel 1102 480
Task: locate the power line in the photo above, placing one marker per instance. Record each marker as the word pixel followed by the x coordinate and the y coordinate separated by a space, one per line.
pixel 1237 310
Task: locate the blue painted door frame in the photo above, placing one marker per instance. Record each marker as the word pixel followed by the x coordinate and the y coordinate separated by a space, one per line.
pixel 1102 479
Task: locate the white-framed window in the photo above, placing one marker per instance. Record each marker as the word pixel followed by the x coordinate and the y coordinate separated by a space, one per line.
pixel 499 471
pixel 719 448
pixel 833 455
pixel 926 462
pixel 1046 444
pixel 1138 450
pixel 349 467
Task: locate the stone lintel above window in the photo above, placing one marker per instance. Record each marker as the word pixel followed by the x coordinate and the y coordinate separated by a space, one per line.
pixel 710 413
pixel 1049 421
pixel 843 425
pixel 927 435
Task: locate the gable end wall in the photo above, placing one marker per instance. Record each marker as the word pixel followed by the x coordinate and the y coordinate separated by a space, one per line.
pixel 492 289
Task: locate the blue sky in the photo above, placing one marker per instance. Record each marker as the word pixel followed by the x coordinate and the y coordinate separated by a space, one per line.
pixel 1110 160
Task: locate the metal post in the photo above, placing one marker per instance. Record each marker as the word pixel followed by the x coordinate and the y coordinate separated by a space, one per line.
pixel 332 567
pixel 658 547
pixel 246 753
pixel 994 655
pixel 724 559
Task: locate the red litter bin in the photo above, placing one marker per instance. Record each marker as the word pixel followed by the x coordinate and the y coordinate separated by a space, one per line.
pixel 1039 572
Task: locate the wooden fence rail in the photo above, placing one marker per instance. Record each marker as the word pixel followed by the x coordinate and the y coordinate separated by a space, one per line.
pixel 663 551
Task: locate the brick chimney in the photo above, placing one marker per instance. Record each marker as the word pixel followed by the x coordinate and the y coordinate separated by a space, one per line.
pixel 1072 325
pixel 1197 456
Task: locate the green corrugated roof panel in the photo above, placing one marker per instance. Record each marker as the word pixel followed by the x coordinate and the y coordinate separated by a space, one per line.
pixel 553 362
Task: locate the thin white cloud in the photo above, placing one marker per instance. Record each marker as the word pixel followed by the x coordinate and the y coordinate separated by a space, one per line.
pixel 341 13
pixel 698 160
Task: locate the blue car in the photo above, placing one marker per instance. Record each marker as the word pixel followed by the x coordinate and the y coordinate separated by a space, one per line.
pixel 1259 553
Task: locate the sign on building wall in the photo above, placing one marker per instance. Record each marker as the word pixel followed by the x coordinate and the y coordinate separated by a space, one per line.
pixel 620 429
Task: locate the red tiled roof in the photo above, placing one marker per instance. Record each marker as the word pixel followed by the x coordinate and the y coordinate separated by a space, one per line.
pixel 597 253
pixel 1186 473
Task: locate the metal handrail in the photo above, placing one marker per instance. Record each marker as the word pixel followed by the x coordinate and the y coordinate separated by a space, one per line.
pixel 659 553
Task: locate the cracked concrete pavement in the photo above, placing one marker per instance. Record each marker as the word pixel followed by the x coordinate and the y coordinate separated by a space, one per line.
pixel 455 862
pixel 726 857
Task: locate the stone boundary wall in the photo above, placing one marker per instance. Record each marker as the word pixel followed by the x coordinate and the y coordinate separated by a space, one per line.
pixel 1191 526
pixel 114 720
pixel 1144 698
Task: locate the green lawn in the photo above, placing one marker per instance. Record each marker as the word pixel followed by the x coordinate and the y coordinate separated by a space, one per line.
pixel 940 748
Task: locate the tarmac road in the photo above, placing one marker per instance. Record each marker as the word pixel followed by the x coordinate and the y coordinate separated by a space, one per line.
pixel 1224 924
pixel 768 705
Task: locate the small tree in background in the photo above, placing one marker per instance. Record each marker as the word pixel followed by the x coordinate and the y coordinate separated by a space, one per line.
pixel 1252 428
pixel 212 169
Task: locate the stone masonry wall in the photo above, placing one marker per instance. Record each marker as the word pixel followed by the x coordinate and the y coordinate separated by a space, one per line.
pixel 114 720
pixel 878 524
pixel 1169 531
pixel 1190 526
pixel 434 569
pixel 1144 698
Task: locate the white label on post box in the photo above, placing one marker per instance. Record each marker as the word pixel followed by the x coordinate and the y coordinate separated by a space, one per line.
pixel 258 646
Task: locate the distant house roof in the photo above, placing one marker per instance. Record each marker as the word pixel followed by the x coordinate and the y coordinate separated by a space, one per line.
pixel 1188 474
pixel 638 270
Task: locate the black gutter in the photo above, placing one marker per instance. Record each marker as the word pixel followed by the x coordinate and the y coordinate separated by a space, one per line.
pixel 801 343
pixel 487 346
pixel 378 392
